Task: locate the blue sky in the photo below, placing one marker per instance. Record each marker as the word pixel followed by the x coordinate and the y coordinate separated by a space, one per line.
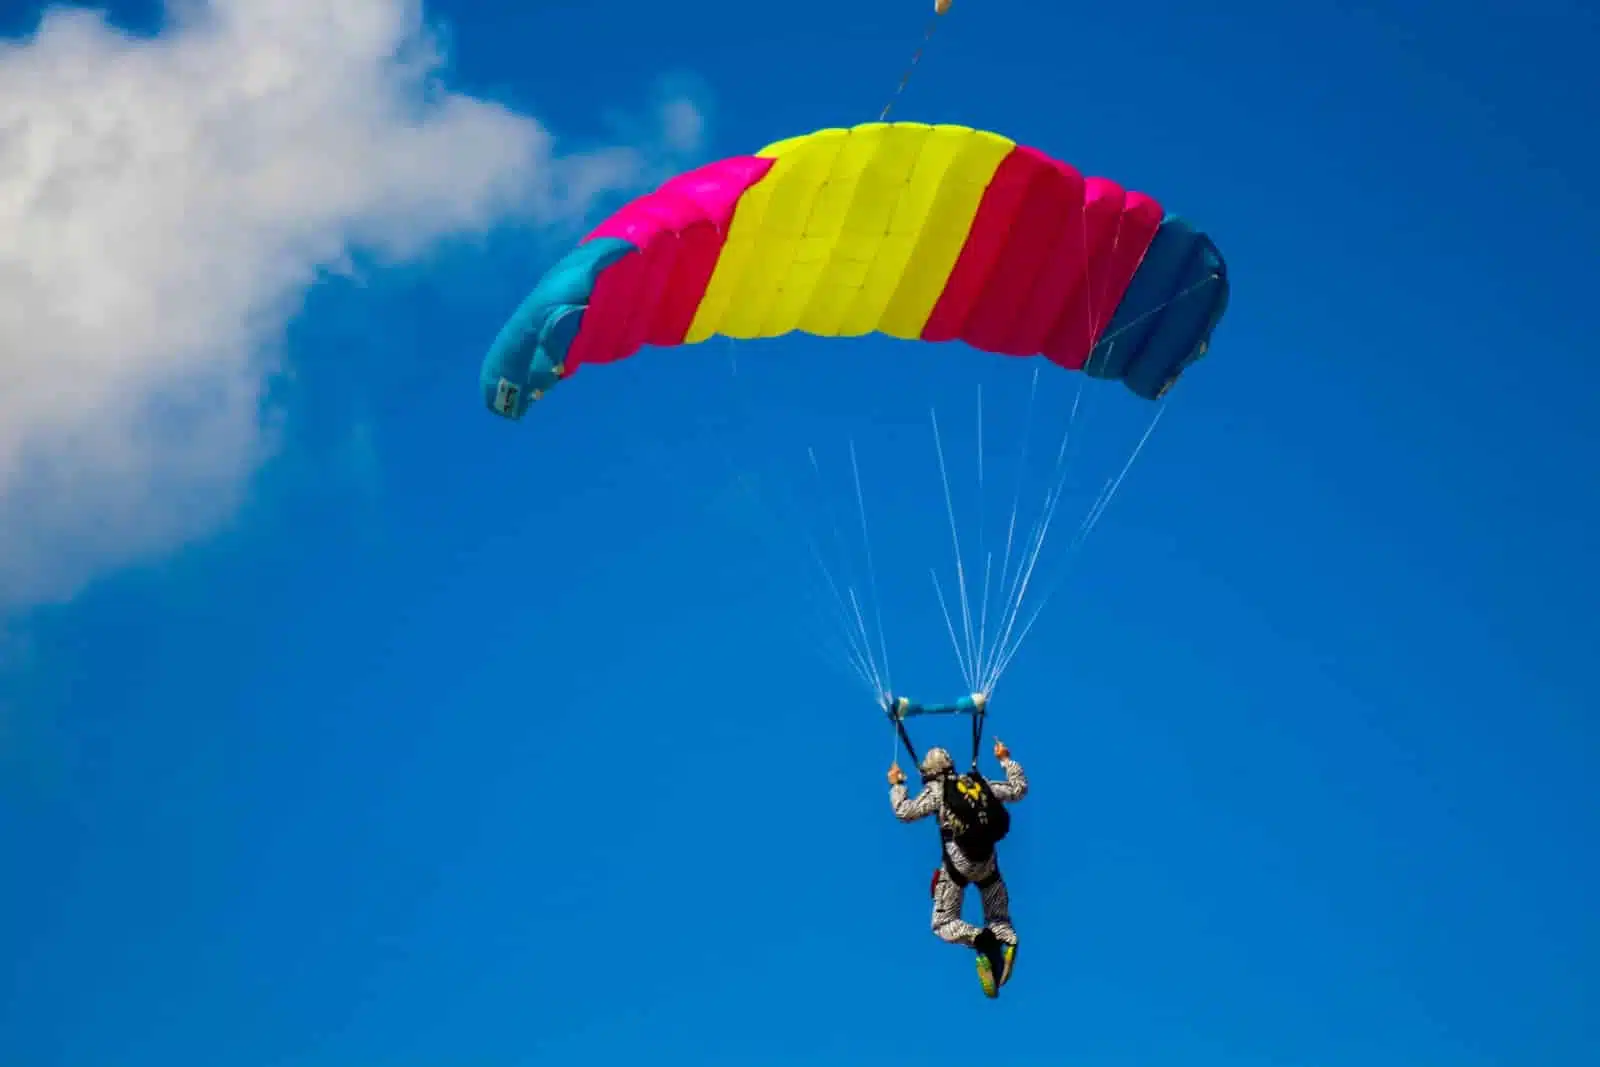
pixel 1312 769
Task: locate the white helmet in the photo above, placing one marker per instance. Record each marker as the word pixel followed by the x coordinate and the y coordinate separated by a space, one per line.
pixel 935 763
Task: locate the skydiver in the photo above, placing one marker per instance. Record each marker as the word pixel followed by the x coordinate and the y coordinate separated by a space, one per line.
pixel 967 857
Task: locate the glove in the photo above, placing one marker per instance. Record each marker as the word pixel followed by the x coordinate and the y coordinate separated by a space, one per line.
pixel 896 775
pixel 1000 750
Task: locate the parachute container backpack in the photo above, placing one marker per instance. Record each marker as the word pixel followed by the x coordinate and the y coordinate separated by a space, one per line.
pixel 978 821
pixel 915 231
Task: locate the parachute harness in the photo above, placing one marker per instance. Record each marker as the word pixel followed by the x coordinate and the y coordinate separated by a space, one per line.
pixel 900 709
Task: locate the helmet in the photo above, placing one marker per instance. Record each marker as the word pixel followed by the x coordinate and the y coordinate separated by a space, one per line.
pixel 935 763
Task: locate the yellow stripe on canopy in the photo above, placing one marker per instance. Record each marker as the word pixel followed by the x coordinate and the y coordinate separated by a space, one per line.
pixel 850 232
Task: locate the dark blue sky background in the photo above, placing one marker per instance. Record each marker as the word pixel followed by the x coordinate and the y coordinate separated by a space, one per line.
pixel 1311 723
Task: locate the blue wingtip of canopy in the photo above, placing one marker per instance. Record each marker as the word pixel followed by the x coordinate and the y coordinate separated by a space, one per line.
pixel 1167 315
pixel 526 357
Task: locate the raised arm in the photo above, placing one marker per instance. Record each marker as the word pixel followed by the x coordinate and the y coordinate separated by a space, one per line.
pixel 1015 787
pixel 906 809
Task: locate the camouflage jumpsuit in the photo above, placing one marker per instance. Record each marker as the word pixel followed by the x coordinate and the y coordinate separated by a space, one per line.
pixel 948 893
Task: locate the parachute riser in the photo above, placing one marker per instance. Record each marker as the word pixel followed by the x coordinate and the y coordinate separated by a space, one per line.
pixel 900 709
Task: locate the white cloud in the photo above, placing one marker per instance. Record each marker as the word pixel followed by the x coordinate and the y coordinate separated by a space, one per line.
pixel 683 125
pixel 164 205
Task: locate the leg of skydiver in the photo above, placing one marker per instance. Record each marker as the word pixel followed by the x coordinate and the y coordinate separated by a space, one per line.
pixel 997 920
pixel 947 922
pixel 948 925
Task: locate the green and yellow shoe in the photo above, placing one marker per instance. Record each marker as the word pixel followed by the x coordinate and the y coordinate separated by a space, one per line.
pixel 1008 957
pixel 991 988
pixel 991 961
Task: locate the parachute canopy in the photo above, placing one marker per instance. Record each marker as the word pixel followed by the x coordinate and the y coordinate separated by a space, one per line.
pixel 920 232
